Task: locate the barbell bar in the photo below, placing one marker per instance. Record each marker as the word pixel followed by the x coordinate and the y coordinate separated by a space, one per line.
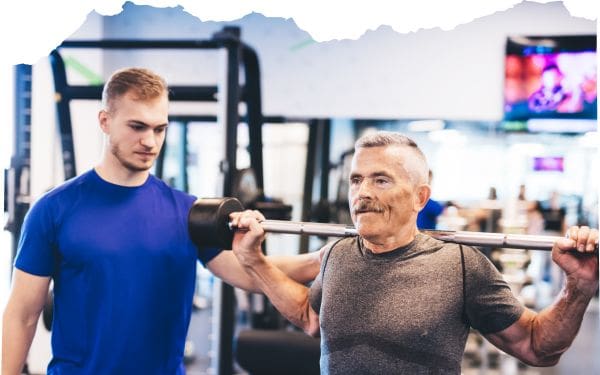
pixel 209 226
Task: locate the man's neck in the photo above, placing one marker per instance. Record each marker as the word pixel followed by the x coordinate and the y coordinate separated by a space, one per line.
pixel 120 175
pixel 382 245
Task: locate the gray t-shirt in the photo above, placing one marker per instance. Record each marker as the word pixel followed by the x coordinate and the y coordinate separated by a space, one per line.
pixel 406 311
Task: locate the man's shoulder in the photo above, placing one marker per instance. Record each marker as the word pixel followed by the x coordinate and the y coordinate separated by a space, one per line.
pixel 444 251
pixel 166 188
pixel 65 189
pixel 427 242
pixel 339 246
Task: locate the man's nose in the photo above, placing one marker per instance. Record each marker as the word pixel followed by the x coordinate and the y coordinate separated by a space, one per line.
pixel 149 139
pixel 364 189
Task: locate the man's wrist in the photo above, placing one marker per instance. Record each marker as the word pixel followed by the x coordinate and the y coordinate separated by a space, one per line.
pixel 577 288
pixel 256 260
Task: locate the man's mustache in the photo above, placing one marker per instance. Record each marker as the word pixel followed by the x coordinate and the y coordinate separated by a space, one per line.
pixel 366 206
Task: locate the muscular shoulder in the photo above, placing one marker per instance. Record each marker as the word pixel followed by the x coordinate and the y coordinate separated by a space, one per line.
pixel 476 261
pixel 178 195
pixel 336 247
pixel 60 198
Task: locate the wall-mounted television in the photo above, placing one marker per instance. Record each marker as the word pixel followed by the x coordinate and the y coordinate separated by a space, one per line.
pixel 550 77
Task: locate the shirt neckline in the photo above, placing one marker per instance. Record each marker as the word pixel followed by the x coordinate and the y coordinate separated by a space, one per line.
pixel 392 254
pixel 118 187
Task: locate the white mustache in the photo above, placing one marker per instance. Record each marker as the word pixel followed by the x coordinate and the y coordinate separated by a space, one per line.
pixel 366 206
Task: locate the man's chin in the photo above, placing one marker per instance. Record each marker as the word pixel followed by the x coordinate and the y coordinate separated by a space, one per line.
pixel 367 228
pixel 138 167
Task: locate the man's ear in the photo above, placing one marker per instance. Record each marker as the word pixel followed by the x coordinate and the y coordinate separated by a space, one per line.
pixel 422 196
pixel 103 121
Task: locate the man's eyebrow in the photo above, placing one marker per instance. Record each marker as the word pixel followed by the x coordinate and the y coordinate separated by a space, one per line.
pixel 380 174
pixel 136 122
pixel 141 123
pixel 373 174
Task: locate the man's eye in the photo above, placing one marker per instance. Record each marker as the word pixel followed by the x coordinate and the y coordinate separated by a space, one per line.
pixel 137 127
pixel 354 180
pixel 160 130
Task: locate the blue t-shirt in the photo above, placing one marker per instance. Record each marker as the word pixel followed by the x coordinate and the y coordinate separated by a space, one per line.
pixel 124 271
pixel 427 217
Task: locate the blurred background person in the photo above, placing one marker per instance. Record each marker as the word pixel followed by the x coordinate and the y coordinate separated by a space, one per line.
pixel 427 218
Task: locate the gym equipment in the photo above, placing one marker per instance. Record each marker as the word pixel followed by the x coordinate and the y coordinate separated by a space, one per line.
pixel 209 226
pixel 266 352
pixel 245 187
pixel 48 311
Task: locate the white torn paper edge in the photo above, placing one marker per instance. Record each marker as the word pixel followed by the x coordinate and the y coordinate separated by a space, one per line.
pixel 33 28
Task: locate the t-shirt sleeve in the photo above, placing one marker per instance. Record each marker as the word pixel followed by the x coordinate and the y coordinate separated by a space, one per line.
pixel 315 293
pixel 206 254
pixel 316 289
pixel 437 208
pixel 491 305
pixel 36 252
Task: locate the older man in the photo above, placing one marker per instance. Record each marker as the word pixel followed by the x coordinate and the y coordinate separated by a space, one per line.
pixel 394 300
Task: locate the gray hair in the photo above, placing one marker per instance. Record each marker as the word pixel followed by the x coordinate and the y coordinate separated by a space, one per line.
pixel 382 138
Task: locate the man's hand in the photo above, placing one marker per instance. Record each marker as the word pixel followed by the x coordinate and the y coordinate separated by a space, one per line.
pixel 248 237
pixel 287 295
pixel 577 257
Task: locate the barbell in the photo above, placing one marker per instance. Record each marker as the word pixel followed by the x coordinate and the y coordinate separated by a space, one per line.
pixel 209 226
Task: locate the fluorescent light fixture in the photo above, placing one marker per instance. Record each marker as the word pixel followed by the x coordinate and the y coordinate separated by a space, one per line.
pixel 448 136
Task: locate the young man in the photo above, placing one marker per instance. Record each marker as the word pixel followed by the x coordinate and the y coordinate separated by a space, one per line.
pixel 116 244
pixel 394 300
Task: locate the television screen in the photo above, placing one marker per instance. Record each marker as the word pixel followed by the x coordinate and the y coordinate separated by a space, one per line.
pixel 550 78
pixel 548 163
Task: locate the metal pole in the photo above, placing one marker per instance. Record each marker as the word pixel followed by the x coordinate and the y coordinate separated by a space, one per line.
pixel 18 176
pixel 309 178
pixel 63 113
pixel 224 312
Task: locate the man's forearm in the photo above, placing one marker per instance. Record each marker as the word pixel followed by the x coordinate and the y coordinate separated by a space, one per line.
pixel 555 327
pixel 289 297
pixel 300 268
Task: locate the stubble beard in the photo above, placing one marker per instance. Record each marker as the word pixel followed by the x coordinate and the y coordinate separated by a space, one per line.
pixel 131 166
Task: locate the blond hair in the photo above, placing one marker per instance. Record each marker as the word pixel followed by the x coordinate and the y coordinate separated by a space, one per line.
pixel 143 83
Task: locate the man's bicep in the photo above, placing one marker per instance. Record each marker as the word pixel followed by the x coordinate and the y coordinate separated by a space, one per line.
pixel 28 292
pixel 516 338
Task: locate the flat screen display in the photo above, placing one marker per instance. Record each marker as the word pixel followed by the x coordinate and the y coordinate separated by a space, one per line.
pixel 550 78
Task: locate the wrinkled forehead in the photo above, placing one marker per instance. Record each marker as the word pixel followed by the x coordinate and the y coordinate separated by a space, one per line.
pixel 399 160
